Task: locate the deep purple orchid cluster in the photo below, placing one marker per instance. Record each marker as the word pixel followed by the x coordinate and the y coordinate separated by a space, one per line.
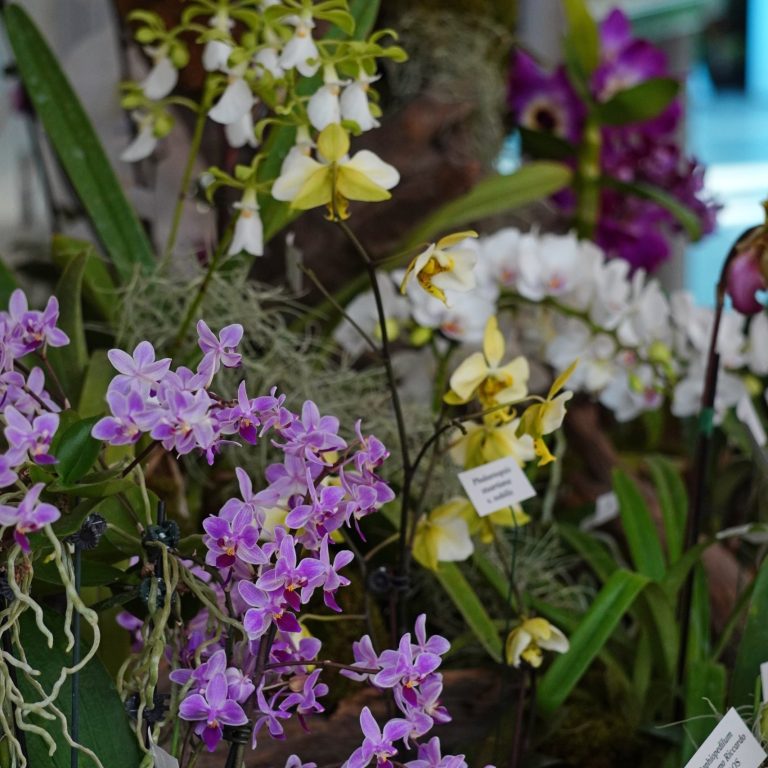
pixel 647 152
pixel 30 415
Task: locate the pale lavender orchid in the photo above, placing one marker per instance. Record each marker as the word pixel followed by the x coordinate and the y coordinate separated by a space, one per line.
pixel 377 743
pixel 30 516
pixel 139 370
pixel 33 438
pixel 220 350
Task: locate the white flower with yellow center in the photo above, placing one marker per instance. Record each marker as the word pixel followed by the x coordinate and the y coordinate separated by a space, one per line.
pixel 163 76
pixel 443 534
pixel 324 106
pixel 527 641
pixel 355 105
pixel 489 441
pixel 249 233
pixel 445 265
pixel 300 51
pixel 482 375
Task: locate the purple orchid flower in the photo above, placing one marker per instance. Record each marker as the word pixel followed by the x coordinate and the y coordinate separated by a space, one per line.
pixel 293 477
pixel 365 656
pixel 203 673
pixel 313 434
pixel 265 607
pixel 429 699
pixel 32 329
pixel 32 437
pixel 270 715
pixel 333 580
pixel 306 701
pixel 324 507
pixel 228 540
pixel 122 427
pixel 30 516
pixel 377 743
pixel 133 624
pixel 254 503
pixel 139 370
pixel 436 644
pixel 212 709
pixel 429 756
pixel 219 350
pixel 239 685
pixel 400 668
pixel 8 464
pixel 294 761
pixel 186 423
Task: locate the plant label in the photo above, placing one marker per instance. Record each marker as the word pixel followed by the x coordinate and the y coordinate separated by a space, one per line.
pixel 764 679
pixel 745 410
pixel 730 745
pixel 498 484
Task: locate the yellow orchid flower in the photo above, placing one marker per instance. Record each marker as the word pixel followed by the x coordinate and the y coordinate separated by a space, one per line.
pixel 443 534
pixel 481 374
pixel 336 178
pixel 443 266
pixel 508 517
pixel 527 641
pixel 545 417
pixel 491 440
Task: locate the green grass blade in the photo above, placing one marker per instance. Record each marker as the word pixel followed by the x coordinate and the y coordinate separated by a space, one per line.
pixel 673 500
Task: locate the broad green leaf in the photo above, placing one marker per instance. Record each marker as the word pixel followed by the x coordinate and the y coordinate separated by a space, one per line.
pixel 77 146
pixel 97 378
pixel 125 513
pixel 594 553
pixel 93 574
pixel 8 285
pixel 104 725
pixel 687 219
pixel 639 103
pixel 599 622
pixel 545 146
pixel 582 41
pixel 753 649
pixel 657 613
pixel 77 450
pixel 704 689
pixel 471 608
pixel 106 483
pixel 673 501
pixel 99 289
pixel 639 529
pixel 493 574
pixel 699 640
pixel 491 196
pixel 69 362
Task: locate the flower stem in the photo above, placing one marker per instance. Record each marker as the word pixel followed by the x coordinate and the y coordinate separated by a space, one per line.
pixel 587 184
pixel 194 148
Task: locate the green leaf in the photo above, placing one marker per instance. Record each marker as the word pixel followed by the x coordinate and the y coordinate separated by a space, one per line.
pixel 97 378
pixel 106 483
pixel 99 289
pixel 687 219
pixel 594 553
pixel 94 574
pixel 582 40
pixel 545 146
pixel 704 689
pixel 639 103
pixel 77 450
pixel 104 725
pixel 471 608
pixel 77 146
pixel 657 613
pixel 753 649
pixel 699 641
pixel 673 500
pixel 599 622
pixel 491 196
pixel 69 362
pixel 8 284
pixel 676 575
pixel 642 537
pixel 125 513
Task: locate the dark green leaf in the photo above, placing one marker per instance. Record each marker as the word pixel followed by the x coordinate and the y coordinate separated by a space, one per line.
pixel 642 537
pixel 99 289
pixel 104 726
pixel 125 513
pixel 673 501
pixel 753 649
pixel 605 613
pixel 582 41
pixel 77 451
pixel 687 219
pixel 545 146
pixel 657 613
pixel 471 608
pixel 77 147
pixel 491 196
pixel 94 574
pixel 106 483
pixel 699 640
pixel 595 554
pixel 97 378
pixel 639 103
pixel 704 690
pixel 69 362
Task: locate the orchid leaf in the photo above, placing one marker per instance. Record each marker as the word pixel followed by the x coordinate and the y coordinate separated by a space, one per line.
pixel 582 41
pixel 594 553
pixel 704 691
pixel 611 604
pixel 97 378
pixel 77 147
pixel 471 608
pixel 104 725
pixel 69 362
pixel 754 642
pixel 673 501
pixel 699 639
pixel 639 103
pixel 492 196
pixel 636 520
pixel 8 284
pixel 545 146
pixel 77 451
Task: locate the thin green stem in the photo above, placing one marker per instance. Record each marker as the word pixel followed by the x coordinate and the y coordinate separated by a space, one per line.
pixel 587 183
pixel 189 168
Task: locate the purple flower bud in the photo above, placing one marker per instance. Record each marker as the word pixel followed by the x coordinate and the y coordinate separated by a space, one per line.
pixel 744 280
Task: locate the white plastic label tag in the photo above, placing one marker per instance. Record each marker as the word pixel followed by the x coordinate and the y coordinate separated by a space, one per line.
pixel 498 484
pixel 730 745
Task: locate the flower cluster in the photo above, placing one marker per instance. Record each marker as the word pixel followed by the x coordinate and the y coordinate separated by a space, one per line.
pixel 30 415
pixel 642 153
pixel 635 345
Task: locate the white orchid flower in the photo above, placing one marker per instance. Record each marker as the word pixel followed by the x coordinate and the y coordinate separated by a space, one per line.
pixel 241 132
pixel 355 105
pixel 324 107
pixel 145 141
pixel 249 233
pixel 269 60
pixel 443 535
pixel 527 641
pixel 163 76
pixel 300 51
pixel 236 101
pixel 217 52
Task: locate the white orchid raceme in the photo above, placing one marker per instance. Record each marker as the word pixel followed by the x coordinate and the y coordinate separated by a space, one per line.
pixel 324 107
pixel 334 178
pixel 532 636
pixel 481 375
pixel 443 534
pixel 355 105
pixel 447 265
pixel 300 51
pixel 216 52
pixel 149 131
pixel 236 100
pixel 241 132
pixel 249 233
pixel 163 76
pixel 268 59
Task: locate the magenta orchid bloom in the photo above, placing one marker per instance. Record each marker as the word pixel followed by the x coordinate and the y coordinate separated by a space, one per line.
pixel 30 516
pixel 377 743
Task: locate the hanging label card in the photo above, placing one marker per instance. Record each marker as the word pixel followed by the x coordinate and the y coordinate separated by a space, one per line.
pixel 730 745
pixel 764 678
pixel 745 411
pixel 491 487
